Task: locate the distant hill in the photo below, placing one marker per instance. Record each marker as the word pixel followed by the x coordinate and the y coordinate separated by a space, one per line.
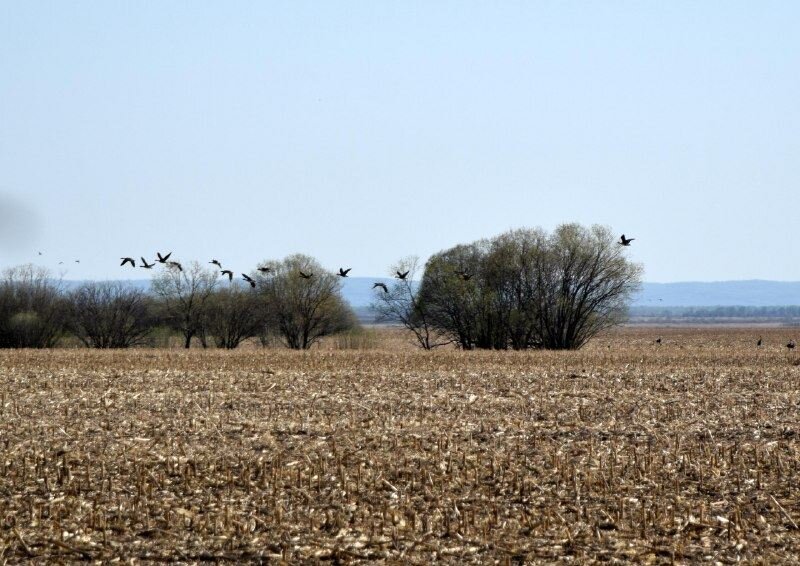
pixel 753 293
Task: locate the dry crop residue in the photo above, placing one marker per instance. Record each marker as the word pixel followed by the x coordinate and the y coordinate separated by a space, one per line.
pixel 682 451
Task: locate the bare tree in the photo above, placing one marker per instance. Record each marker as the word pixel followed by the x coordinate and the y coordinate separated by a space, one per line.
pixel 234 315
pixel 110 315
pixel 185 294
pixel 584 285
pixel 32 309
pixel 304 301
pixel 400 302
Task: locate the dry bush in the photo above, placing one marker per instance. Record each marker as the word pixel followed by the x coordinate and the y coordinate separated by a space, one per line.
pixel 626 450
pixel 357 339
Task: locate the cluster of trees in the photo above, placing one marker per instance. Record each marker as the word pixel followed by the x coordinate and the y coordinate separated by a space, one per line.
pixel 522 289
pixel 37 312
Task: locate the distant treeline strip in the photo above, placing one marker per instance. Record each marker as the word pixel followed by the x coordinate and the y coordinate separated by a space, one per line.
pixel 777 312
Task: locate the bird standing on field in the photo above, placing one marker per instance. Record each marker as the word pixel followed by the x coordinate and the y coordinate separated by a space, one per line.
pixel 127 260
pixel 760 341
pixel 791 345
pixel 625 241
pixel 658 340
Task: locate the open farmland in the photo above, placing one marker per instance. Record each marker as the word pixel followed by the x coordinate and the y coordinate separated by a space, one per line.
pixel 624 450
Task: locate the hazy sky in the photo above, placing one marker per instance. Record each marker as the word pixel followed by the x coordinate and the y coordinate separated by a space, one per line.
pixel 361 132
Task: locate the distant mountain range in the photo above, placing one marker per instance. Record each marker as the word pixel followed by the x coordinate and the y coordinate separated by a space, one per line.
pixel 752 293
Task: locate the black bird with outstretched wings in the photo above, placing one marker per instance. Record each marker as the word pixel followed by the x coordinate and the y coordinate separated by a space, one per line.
pixel 249 280
pixel 305 275
pixel 145 264
pixel 402 275
pixel 380 286
pixel 623 241
pixel 344 272
pixel 227 272
pixel 127 260
pixel 163 258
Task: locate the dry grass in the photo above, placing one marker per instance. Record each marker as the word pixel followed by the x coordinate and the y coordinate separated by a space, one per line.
pixel 686 451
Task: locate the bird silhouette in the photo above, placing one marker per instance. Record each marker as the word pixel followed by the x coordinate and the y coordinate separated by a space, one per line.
pixel 791 345
pixel 163 258
pixel 625 241
pixel 216 262
pixel 264 269
pixel 249 280
pixel 127 260
pixel 760 341
pixel 145 264
pixel 658 340
pixel 380 286
pixel 402 275
pixel 306 275
pixel 227 272
pixel 344 272
pixel 174 264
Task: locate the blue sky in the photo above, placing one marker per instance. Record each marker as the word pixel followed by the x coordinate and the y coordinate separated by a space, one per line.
pixel 361 132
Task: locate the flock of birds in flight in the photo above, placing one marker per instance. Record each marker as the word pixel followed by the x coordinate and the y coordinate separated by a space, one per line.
pixel 460 273
pixel 164 259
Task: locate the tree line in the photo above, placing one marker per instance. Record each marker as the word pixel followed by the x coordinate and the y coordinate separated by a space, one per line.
pixel 523 289
pixel 37 312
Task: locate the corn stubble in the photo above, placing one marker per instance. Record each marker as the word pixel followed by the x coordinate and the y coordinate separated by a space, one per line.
pixel 625 450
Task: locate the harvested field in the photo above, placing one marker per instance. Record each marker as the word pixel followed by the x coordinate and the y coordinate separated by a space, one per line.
pixel 626 450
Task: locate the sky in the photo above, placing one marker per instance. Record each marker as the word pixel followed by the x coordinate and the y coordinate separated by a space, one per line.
pixel 363 132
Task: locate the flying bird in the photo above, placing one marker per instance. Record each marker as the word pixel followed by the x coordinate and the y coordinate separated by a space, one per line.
pixel 380 286
pixel 227 272
pixel 145 264
pixel 344 272
pixel 306 275
pixel 264 269
pixel 402 275
pixel 216 262
pixel 163 258
pixel 249 280
pixel 174 264
pixel 625 241
pixel 127 260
